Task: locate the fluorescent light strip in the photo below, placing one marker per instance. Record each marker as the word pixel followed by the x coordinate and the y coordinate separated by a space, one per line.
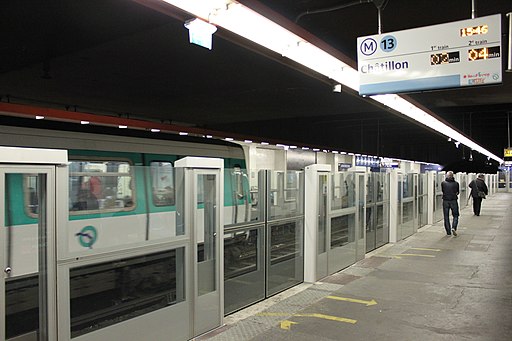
pixel 406 108
pixel 251 25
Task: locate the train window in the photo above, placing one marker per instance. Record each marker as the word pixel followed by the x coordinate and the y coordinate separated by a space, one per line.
pixel 162 183
pixel 30 194
pixel 100 185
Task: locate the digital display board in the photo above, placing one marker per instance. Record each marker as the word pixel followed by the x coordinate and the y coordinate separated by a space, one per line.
pixel 508 154
pixel 456 54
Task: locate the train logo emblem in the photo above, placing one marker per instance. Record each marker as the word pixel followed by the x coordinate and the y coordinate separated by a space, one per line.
pixel 87 236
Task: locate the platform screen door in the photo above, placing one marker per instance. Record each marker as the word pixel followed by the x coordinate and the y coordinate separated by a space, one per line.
pixel 207 310
pixel 27 296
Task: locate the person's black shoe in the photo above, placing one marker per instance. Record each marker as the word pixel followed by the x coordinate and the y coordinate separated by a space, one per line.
pixel 454 232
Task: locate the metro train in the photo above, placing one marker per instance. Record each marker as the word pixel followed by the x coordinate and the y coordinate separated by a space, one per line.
pixel 125 188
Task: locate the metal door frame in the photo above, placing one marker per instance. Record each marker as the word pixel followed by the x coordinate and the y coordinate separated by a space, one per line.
pixel 215 297
pixel 48 285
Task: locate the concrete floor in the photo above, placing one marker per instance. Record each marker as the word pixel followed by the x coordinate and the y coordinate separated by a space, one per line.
pixel 427 287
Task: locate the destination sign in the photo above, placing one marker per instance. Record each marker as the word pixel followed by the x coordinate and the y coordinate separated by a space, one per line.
pixel 456 54
pixel 508 153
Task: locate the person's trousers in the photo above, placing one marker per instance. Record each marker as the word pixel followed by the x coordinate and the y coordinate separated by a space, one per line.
pixel 477 205
pixel 454 207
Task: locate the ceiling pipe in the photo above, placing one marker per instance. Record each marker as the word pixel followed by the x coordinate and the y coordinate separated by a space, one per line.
pixel 380 4
pixel 508 128
pixel 509 68
pixel 473 9
pixel 331 8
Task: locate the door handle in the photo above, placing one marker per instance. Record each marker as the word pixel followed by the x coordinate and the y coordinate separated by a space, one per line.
pixel 8 270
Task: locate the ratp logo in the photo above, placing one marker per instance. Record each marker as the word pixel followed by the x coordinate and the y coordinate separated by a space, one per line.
pixel 368 46
pixel 87 236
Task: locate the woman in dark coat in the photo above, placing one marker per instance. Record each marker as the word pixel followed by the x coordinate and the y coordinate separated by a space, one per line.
pixel 478 186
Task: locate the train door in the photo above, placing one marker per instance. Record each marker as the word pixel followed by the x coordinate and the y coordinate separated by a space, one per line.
pixel 202 210
pixel 27 257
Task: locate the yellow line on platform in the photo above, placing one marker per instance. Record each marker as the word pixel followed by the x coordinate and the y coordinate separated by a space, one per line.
pixel 414 255
pixel 321 316
pixel 425 249
pixel 328 317
pixel 353 300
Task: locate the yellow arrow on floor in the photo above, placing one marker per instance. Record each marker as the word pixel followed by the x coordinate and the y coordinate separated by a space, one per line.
pixel 287 325
pixel 353 300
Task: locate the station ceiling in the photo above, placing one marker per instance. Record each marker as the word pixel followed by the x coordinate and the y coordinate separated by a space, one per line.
pixel 133 59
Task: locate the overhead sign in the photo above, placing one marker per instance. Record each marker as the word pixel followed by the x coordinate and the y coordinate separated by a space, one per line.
pixel 456 54
pixel 508 152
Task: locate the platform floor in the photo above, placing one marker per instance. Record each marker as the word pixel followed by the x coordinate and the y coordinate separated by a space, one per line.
pixel 427 287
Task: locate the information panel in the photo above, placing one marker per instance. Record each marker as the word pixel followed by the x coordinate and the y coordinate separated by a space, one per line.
pixel 456 54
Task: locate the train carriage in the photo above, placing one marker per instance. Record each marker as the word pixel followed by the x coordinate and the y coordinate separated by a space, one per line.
pixel 121 196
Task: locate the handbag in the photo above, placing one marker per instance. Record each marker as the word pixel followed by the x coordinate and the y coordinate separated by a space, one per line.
pixel 481 194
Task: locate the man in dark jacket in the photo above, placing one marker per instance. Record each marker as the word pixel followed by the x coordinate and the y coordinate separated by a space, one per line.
pixel 450 189
pixel 478 186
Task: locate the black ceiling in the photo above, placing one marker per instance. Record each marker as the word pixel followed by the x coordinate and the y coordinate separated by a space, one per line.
pixel 125 57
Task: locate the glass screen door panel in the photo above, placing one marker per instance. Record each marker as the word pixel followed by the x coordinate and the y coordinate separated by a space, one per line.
pixel 323 233
pixel 206 227
pixel 23 239
pixel 285 255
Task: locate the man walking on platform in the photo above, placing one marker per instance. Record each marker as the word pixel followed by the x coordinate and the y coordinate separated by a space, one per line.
pixel 450 189
pixel 478 192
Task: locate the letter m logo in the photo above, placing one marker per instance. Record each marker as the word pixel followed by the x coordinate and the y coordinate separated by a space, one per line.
pixel 368 46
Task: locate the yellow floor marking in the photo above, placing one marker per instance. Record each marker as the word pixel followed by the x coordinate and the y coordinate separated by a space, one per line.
pixel 425 249
pixel 328 317
pixel 414 255
pixel 321 316
pixel 353 300
pixel 287 325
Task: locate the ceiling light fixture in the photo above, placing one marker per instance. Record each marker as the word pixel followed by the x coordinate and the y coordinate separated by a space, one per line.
pixel 251 25
pixel 84 122
pixel 39 117
pixel 200 32
pixel 122 126
pixel 155 130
